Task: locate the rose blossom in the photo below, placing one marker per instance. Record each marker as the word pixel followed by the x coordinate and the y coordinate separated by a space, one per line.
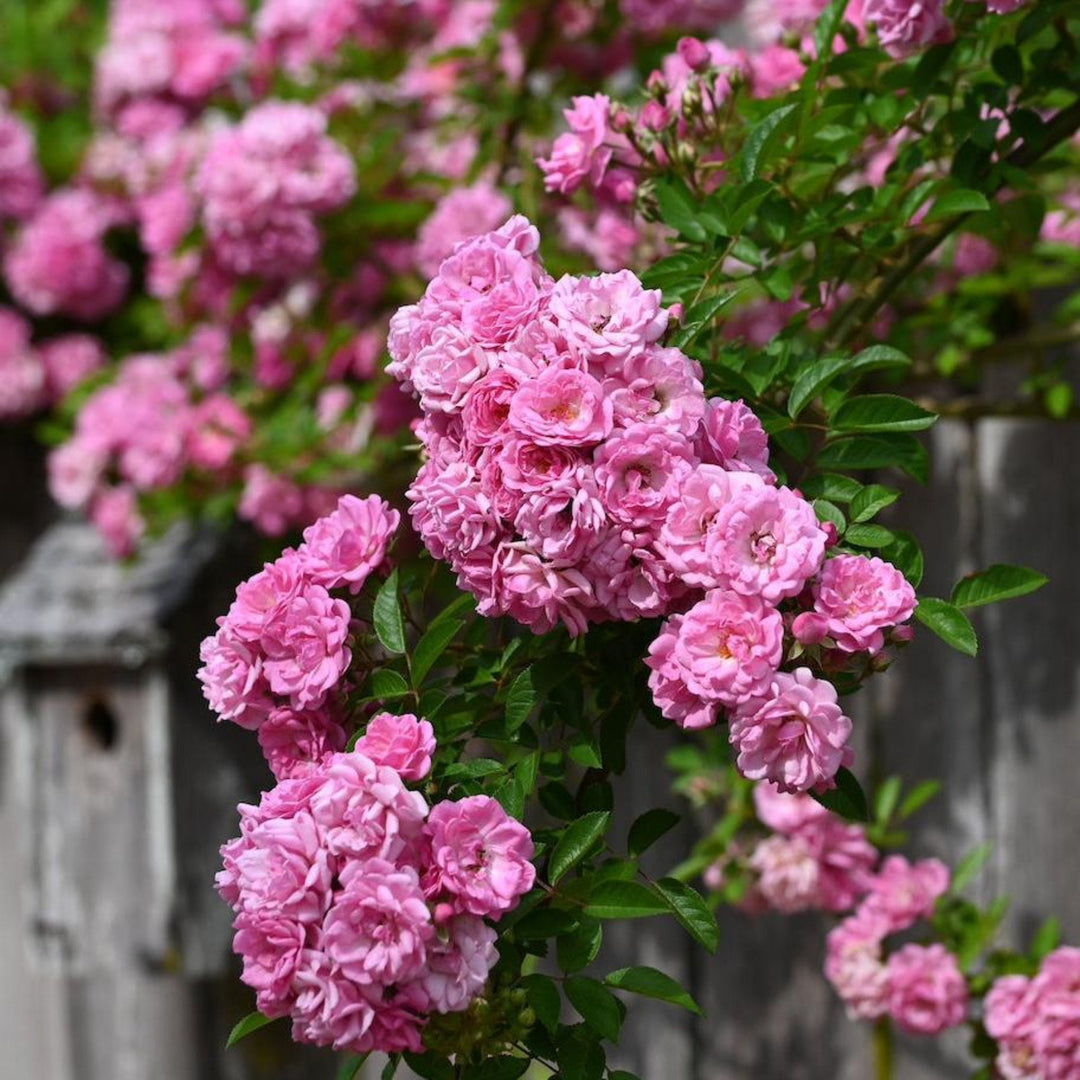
pixel 458 961
pixel 580 153
pixel 795 734
pixel 403 743
pixel 732 437
pixel 667 682
pixel 927 992
pixel 787 874
pixel 232 678
pixel 347 546
pixel 855 599
pixel 903 892
pixel 479 856
pixel 639 470
pixel 906 26
pixel 561 407
pixel 854 967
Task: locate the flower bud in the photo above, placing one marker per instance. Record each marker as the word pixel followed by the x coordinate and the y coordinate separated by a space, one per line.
pixel 694 53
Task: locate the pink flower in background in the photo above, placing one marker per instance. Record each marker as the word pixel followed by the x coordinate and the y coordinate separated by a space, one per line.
pixel 907 26
pixel 787 874
pixel 855 599
pixel 854 966
pixel 114 512
pixel 68 360
pixel 347 546
pixel 218 427
pixel 904 892
pixel 459 215
pixel 581 153
pixel 927 992
pixel 58 264
pixel 273 504
pixel 608 238
pixel 304 645
pixel 784 812
pixel 22 374
pixel 794 735
pixel 479 856
pixel 21 182
pixel 403 743
pixel 74 472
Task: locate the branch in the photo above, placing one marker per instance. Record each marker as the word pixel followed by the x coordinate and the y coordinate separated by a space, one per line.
pixel 1059 128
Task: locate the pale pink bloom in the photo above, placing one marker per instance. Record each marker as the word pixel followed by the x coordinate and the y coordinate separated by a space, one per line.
pixel 905 892
pixel 264 595
pixel 729 647
pixel 846 860
pixel 526 466
pixel 114 512
pixel 659 386
pixel 444 370
pixel 631 579
pixel 659 16
pixel 68 360
pixel 794 735
pixel 450 511
pixel 58 263
pixel 459 958
pixel 608 237
pixel 765 542
pixel 364 810
pixel 538 593
pixel 403 743
pixel 21 182
pixel 683 535
pixel 479 856
pixel 487 406
pixel 787 874
pixel 639 471
pixel 1004 7
pixel 607 318
pixel 564 522
pixel 460 215
pixel 927 991
pixel 273 504
pixel 581 153
pixel 218 427
pixel 853 965
pixel 74 471
pixel 305 646
pixel 784 812
pixel 667 682
pixel 293 742
pixel 774 69
pixel 561 407
pixel 22 374
pixel 378 926
pixel 1057 1034
pixel 347 546
pixel 732 437
pixel 908 26
pixel 855 599
pixel 271 947
pixel 232 678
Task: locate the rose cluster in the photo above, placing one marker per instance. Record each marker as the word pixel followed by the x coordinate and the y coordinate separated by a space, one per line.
pixel 920 987
pixel 1036 1021
pixel 358 912
pixel 279 661
pixel 812 861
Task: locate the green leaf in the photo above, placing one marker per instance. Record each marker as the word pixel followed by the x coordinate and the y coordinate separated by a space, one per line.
pixel 649 827
pixel 351 1066
pixel 890 450
pixel 473 769
pixel 885 800
pixel 847 799
pixel 386 614
pixel 813 380
pixel 881 412
pixel 430 647
pixel 504 1067
pixel 678 208
pixel 869 536
pixel 699 317
pixel 949 623
pixel 575 842
pixel 1008 65
pixel 580 947
pixel 968 868
pixel 252 1022
pixel 918 797
pixel 520 699
pixel 871 500
pixel 387 683
pixel 648 982
pixel 579 1055
pixel 827 511
pixel 1046 938
pixel 755 151
pixel 689 907
pixel 997 582
pixel 544 998
pixel 879 358
pixel 598 1007
pixel 624 900
pixel 906 555
pixel 960 201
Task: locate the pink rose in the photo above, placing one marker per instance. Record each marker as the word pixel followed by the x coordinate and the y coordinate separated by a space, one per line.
pixel 580 153
pixel 907 26
pixel 561 407
pixel 639 471
pixel 403 743
pixel 903 892
pixel 927 991
pixel 347 546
